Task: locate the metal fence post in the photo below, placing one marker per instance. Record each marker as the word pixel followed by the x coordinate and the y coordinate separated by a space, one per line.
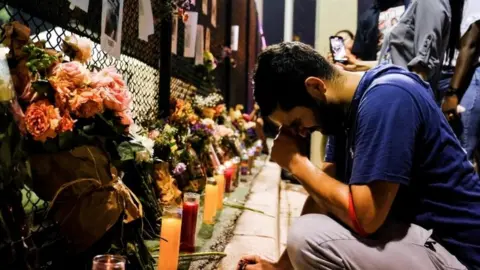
pixel 165 64
pixel 228 44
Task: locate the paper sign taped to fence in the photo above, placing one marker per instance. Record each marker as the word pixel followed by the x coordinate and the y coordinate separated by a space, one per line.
pixel 207 39
pixel 145 19
pixel 235 35
pixel 204 6
pixel 81 4
pixel 190 34
pixel 199 46
pixel 174 34
pixel 111 36
pixel 214 13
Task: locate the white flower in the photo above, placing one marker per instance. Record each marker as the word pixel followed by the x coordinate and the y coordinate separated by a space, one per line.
pixel 138 137
pixel 208 122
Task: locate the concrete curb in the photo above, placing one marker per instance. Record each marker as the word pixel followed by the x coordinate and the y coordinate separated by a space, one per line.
pixel 257 233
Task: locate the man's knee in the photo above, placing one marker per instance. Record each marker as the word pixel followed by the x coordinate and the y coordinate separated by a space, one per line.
pixel 307 236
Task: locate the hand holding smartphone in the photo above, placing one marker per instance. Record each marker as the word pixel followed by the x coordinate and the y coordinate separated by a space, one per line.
pixel 338 50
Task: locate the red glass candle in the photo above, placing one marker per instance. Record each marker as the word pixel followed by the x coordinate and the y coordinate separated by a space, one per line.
pixel 189 222
pixel 228 173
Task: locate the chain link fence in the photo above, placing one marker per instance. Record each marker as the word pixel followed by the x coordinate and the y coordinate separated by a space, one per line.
pixel 190 78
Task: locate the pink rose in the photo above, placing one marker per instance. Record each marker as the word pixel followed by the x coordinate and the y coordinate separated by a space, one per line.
pixel 113 88
pixel 86 103
pixel 41 120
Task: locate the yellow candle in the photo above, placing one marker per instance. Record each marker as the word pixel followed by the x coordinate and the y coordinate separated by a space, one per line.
pixel 220 178
pixel 170 231
pixel 211 198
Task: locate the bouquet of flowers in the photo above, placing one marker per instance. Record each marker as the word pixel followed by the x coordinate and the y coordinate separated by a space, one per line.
pixel 73 122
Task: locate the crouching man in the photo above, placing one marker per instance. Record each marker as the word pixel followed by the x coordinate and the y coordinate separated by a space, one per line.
pixel 397 190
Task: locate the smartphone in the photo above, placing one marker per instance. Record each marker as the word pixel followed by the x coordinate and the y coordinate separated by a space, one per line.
pixel 337 48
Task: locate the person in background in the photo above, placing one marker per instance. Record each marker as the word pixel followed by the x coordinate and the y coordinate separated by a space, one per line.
pixel 412 198
pixel 465 83
pixel 420 40
pixel 348 38
pixel 368 39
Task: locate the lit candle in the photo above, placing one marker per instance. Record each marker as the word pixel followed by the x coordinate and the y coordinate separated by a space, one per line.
pixel 108 262
pixel 220 178
pixel 211 198
pixel 228 173
pixel 189 221
pixel 170 249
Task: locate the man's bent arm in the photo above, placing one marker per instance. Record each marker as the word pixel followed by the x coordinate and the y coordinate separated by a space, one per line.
pixel 372 202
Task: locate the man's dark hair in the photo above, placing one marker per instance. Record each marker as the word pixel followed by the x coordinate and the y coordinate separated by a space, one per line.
pixel 281 72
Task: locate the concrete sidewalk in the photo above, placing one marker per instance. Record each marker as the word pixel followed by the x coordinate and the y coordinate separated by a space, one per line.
pixel 265 234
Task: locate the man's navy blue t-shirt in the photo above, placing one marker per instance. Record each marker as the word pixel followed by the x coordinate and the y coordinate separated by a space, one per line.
pixel 398 134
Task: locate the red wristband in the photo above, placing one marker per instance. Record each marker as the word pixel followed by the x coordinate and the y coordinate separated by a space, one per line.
pixel 353 216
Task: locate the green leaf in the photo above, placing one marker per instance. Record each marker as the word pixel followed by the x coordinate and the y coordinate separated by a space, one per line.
pixel 128 150
pixel 65 140
pixel 42 87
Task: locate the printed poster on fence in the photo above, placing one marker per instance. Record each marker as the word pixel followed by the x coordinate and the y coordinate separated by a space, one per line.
pixel 81 4
pixel 174 34
pixel 199 46
pixel 234 37
pixel 145 19
pixel 205 7
pixel 190 34
pixel 389 18
pixel 111 36
pixel 207 39
pixel 214 13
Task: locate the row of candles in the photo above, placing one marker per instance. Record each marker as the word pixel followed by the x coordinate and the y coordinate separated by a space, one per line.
pixel 179 223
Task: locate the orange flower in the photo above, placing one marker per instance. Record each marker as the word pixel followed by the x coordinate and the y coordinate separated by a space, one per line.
pixel 68 76
pixel 66 123
pixel 86 103
pixel 125 117
pixel 41 120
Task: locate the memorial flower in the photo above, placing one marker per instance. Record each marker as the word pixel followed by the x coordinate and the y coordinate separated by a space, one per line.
pixel 79 48
pixel 66 123
pixel 86 103
pixel 68 76
pixel 113 89
pixel 42 120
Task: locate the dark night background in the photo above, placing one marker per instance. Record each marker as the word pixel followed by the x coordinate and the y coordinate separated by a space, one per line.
pixel 304 19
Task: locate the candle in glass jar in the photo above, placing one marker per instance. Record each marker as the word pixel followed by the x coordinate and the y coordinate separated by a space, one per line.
pixel 228 174
pixel 220 178
pixel 236 170
pixel 170 249
pixel 108 262
pixel 189 221
pixel 211 198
